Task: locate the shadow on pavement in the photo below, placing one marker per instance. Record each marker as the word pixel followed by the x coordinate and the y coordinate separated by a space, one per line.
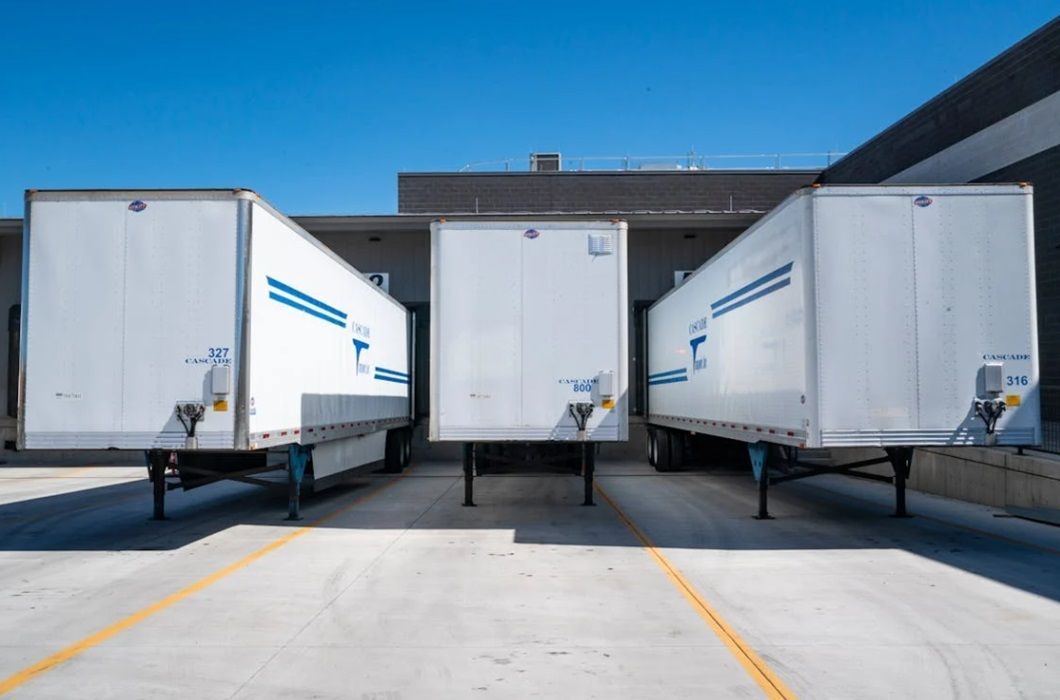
pixel 703 510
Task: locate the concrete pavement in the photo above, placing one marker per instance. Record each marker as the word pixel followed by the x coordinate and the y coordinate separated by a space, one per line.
pixel 403 593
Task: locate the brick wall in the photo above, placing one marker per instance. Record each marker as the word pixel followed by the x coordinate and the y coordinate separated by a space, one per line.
pixel 437 193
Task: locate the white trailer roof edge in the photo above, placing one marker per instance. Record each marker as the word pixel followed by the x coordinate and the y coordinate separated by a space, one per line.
pixel 862 190
pixel 479 225
pixel 94 195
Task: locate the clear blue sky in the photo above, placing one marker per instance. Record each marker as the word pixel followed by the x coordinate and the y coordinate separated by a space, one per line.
pixel 318 106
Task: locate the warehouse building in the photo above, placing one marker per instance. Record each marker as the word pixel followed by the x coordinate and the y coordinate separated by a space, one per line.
pixel 1001 123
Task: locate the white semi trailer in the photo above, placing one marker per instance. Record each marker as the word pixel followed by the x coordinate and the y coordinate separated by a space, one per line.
pixel 529 343
pixel 210 331
pixel 855 316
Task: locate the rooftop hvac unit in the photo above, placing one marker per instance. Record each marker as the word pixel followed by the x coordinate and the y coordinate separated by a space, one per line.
pixel 545 162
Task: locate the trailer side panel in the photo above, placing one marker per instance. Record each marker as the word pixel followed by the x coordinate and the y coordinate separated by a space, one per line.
pixel 727 350
pixel 328 351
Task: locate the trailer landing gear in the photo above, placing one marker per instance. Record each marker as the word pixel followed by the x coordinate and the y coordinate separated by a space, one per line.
pixel 588 467
pixel 759 453
pixel 515 458
pixel 469 474
pixel 297 458
pixel 157 463
pixel 900 459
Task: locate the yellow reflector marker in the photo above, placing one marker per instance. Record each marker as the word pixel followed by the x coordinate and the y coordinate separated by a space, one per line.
pixel 608 403
pixel 221 405
pixel 1012 400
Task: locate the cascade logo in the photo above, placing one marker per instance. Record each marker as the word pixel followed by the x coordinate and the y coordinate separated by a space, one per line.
pixel 697 362
pixel 137 205
pixel 1007 356
pixel 531 233
pixel 923 201
pixel 697 326
pixel 358 346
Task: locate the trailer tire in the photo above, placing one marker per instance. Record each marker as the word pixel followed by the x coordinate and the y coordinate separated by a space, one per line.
pixel 406 447
pixel 392 454
pixel 677 449
pixel 653 447
pixel 663 451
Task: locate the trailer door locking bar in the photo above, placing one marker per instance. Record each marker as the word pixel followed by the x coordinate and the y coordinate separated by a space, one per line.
pixel 189 415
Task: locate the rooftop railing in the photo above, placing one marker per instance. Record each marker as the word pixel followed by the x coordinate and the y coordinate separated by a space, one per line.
pixel 688 162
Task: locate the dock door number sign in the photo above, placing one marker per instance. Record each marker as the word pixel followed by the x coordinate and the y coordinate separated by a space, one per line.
pixel 379 279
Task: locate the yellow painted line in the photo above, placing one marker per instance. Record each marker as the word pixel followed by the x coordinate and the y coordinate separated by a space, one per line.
pixel 755 666
pixel 79 647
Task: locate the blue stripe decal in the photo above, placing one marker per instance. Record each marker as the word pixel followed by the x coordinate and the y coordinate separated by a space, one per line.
pixel 393 372
pixel 396 380
pixel 780 271
pixel 311 312
pixel 304 297
pixel 757 295
pixel 659 375
pixel 669 380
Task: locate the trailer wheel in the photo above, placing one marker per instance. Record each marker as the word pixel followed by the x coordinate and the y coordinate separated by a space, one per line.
pixel 406 447
pixel 392 455
pixel 663 451
pixel 653 447
pixel 677 449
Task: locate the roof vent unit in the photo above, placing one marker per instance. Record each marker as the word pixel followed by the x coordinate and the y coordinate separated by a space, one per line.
pixel 545 162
